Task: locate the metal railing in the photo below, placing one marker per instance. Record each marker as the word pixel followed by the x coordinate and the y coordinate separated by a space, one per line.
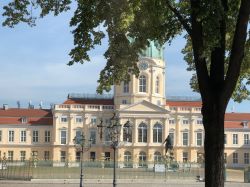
pixel 95 170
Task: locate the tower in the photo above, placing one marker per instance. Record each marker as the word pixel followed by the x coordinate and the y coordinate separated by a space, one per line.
pixel 150 85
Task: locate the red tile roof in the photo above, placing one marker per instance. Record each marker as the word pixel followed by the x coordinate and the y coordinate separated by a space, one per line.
pixel 237 116
pixel 90 101
pixel 34 116
pixel 233 124
pixel 184 103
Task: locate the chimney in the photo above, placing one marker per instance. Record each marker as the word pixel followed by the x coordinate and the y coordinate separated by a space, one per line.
pixel 5 106
pixel 18 104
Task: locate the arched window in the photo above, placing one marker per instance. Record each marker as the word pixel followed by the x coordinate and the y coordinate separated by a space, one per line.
pixel 127 134
pixel 125 87
pixel 142 133
pixel 142 83
pixel 157 133
pixel 127 159
pixel 157 157
pixel 142 159
pixel 157 85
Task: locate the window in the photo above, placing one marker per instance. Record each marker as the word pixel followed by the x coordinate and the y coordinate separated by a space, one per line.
pixel 157 85
pixel 63 136
pixel 78 134
pixel 125 87
pixel 23 136
pixel 142 159
pixel 93 137
pixel 78 156
pixel 107 156
pixel 185 138
pixel 35 136
pixel 246 158
pixel 0 135
pixel 185 156
pixel 106 135
pixel 246 139
pixel 157 133
pixel 78 119
pixel 10 155
pixel 47 136
pixel 235 158
pixel 22 156
pixel 11 136
pixel 199 122
pixel 172 121
pixel 64 119
pixel 157 157
pixel 92 156
pixel 185 121
pixel 63 156
pixel 199 139
pixel 127 160
pixel 93 120
pixel 46 155
pixel 142 133
pixel 127 134
pixel 24 119
pixel 235 139
pixel 142 83
pixel 124 101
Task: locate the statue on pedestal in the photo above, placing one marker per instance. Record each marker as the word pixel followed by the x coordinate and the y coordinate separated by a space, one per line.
pixel 168 144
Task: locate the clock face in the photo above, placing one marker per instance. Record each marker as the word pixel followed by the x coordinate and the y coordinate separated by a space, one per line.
pixel 143 65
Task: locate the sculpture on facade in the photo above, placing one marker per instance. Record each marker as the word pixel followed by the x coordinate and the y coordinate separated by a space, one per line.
pixel 168 144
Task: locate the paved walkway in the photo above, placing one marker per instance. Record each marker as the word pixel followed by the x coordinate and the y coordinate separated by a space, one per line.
pixel 108 183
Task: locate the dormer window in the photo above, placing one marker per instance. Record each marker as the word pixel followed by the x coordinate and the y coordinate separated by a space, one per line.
pixel 245 124
pixel 24 119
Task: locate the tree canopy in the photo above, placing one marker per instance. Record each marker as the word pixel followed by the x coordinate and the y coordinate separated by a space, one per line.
pixel 218 48
pixel 158 20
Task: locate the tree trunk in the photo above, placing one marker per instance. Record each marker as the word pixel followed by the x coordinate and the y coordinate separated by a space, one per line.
pixel 213 120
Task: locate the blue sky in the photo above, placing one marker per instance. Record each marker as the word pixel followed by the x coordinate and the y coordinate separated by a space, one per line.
pixel 33 65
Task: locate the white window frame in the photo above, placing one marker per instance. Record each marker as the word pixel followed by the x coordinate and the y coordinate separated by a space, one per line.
pixel 63 139
pixel 157 133
pixel 23 136
pixel 157 85
pixel 47 136
pixel 142 130
pixel 125 87
pixel 201 140
pixel 185 121
pixel 235 158
pixel 46 155
pixel 63 156
pixel 11 136
pixel 235 139
pixel 10 155
pixel 171 121
pixel 35 136
pixel 199 121
pixel 186 139
pixel 24 119
pixel 93 120
pixel 184 156
pixel 246 139
pixel 78 119
pixel 22 156
pixel 142 84
pixel 64 119
pixel 246 158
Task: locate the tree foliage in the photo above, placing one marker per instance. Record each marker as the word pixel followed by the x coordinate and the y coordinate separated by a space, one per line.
pixel 159 20
pixel 218 48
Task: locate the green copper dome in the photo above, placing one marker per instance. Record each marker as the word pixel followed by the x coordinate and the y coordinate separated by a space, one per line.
pixel 154 50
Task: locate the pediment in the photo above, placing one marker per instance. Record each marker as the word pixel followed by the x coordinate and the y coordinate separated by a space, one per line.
pixel 144 106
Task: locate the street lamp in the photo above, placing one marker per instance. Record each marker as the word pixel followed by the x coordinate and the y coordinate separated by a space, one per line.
pixel 114 131
pixel 82 145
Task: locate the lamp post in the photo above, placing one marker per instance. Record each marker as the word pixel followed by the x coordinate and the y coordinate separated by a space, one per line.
pixel 82 145
pixel 114 131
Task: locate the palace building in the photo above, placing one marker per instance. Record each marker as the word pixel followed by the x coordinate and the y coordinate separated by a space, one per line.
pixel 49 133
